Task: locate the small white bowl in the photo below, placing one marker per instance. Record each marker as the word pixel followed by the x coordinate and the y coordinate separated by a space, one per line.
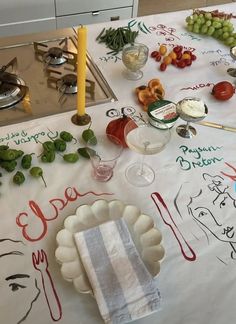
pixel 145 235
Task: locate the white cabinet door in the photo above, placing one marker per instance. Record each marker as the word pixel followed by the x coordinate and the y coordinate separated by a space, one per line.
pixel 94 17
pixel 27 27
pixel 68 7
pixel 23 10
pixel 26 16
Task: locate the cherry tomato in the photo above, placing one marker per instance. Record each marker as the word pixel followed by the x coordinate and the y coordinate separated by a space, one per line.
pixel 173 55
pixel 186 56
pixel 167 60
pixel 174 62
pixel 223 90
pixel 178 55
pixel 187 52
pixel 188 62
pixel 158 58
pixel 154 53
pixel 181 64
pixel 177 49
pixel 163 66
pixel 163 49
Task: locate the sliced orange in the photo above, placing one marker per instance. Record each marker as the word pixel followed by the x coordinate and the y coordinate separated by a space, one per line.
pixel 142 87
pixel 146 97
pixel 153 82
pixel 158 91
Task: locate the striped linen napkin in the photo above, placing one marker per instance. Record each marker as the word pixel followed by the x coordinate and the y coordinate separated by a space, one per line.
pixel 123 287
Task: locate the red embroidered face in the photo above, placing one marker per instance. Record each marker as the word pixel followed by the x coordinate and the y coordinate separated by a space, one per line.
pixel 17 281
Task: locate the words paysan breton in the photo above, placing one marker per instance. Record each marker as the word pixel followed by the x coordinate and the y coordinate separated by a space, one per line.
pixel 198 157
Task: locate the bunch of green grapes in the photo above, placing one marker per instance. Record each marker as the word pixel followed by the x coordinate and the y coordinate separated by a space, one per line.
pixel 217 27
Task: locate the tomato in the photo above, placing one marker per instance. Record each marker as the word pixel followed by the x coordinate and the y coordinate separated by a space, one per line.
pixel 223 90
pixel 186 56
pixel 187 52
pixel 154 53
pixel 158 58
pixel 181 64
pixel 163 66
pixel 174 62
pixel 172 55
pixel 179 55
pixel 163 49
pixel 177 49
pixel 167 60
pixel 188 62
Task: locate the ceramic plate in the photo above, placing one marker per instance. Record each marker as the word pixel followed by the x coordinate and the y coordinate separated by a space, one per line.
pixel 145 235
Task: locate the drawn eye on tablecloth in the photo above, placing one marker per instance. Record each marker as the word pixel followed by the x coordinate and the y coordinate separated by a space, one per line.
pixel 212 207
pixel 19 283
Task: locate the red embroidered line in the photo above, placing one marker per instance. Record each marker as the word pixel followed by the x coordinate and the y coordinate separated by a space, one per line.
pixel 179 237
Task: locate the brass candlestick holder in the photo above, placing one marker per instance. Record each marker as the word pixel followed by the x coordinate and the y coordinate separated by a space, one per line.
pixel 80 120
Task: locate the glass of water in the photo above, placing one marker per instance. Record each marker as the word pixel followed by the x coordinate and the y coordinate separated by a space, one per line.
pixel 104 152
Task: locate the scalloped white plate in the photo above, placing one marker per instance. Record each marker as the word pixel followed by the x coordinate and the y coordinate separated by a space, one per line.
pixel 146 237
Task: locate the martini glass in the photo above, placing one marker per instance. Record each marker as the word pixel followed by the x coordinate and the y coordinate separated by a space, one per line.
pixel 190 109
pixel 134 57
pixel 144 139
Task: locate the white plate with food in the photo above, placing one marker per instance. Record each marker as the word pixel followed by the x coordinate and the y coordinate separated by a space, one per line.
pixel 146 237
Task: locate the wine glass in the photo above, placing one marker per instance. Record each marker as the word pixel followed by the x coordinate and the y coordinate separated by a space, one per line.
pixel 134 57
pixel 190 109
pixel 232 71
pixel 145 139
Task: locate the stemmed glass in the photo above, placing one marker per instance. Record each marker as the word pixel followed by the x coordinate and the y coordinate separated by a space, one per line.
pixel 190 109
pixel 145 139
pixel 232 71
pixel 134 57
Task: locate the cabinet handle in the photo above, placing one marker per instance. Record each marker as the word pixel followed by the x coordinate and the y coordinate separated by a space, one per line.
pixel 95 13
pixel 115 18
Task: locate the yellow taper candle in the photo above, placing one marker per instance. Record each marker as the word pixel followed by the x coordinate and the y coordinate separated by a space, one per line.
pixel 81 69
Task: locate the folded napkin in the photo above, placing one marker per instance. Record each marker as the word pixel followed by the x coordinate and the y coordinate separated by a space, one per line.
pixel 123 287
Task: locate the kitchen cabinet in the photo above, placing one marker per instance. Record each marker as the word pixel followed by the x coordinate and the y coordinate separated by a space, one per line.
pixel 73 12
pixel 94 17
pixel 26 16
pixel 29 16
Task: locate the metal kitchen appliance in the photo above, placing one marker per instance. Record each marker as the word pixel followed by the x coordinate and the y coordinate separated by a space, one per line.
pixel 38 77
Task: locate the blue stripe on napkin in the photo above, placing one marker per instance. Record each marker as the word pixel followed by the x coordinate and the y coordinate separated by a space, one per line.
pixel 105 274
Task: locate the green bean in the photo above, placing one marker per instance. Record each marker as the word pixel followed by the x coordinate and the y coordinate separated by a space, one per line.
pixel 100 34
pixel 115 39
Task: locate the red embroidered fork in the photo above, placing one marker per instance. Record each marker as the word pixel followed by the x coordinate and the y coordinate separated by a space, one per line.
pixel 40 263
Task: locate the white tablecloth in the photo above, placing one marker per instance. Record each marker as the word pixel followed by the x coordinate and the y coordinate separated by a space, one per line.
pixel 192 202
